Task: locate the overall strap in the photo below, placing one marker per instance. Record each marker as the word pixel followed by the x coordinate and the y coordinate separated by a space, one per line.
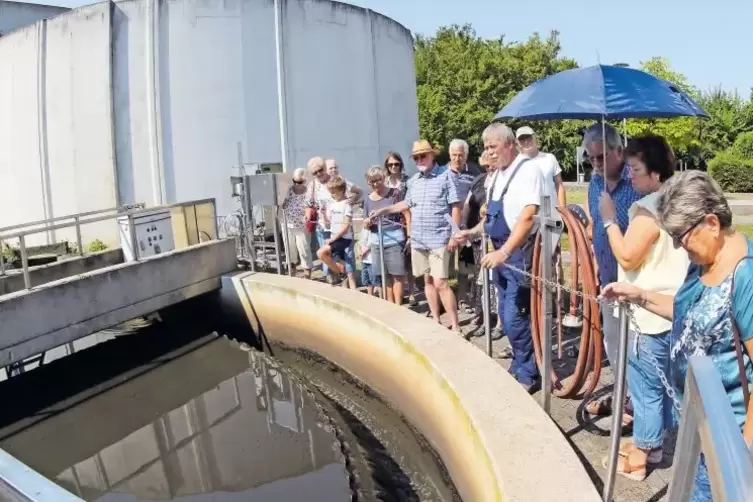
pixel 736 335
pixel 507 186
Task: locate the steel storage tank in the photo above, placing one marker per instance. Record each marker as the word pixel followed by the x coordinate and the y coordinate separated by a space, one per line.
pixel 148 100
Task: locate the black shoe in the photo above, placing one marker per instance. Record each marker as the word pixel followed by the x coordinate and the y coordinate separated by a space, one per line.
pixel 532 388
pixel 497 334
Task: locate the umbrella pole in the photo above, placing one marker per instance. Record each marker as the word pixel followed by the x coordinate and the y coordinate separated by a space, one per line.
pixel 604 151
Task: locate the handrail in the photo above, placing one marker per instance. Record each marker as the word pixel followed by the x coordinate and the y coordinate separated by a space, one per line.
pixel 124 207
pixel 78 222
pixel 709 426
pixel 19 482
pixel 108 217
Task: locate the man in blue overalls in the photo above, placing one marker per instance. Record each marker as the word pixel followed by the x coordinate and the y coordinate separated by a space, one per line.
pixel 513 199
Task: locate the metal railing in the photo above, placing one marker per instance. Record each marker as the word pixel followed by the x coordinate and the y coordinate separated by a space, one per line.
pixel 709 427
pixel 82 219
pixel 18 482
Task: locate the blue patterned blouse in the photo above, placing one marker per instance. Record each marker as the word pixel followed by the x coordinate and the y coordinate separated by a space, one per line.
pixel 623 196
pixel 701 326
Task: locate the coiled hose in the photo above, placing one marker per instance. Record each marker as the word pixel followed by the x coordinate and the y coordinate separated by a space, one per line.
pixel 583 279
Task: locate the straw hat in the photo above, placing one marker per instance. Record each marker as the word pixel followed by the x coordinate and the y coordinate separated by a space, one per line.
pixel 423 146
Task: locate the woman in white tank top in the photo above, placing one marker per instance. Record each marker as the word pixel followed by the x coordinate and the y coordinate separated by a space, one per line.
pixel 646 258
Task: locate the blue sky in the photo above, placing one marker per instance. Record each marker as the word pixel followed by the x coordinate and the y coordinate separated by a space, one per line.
pixel 710 42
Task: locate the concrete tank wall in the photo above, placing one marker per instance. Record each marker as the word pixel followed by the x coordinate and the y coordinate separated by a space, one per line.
pixel 147 100
pixel 17 14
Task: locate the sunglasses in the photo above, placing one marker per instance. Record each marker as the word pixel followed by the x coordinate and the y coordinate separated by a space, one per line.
pixel 394 164
pixel 318 172
pixel 420 156
pixel 298 182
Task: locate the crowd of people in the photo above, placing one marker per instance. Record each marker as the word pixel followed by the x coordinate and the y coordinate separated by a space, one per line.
pixel 662 241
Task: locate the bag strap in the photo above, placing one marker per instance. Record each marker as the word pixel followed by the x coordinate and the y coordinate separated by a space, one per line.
pixel 736 335
pixel 313 194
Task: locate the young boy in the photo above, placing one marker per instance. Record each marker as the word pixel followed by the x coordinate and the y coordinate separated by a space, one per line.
pixel 340 244
pixel 368 278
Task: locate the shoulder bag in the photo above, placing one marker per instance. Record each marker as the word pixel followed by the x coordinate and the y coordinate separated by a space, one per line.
pixel 312 213
pixel 739 347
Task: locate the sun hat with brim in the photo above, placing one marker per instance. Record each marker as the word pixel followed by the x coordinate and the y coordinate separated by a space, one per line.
pixel 423 146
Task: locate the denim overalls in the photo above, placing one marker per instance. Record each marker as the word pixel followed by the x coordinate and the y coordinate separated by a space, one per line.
pixel 513 288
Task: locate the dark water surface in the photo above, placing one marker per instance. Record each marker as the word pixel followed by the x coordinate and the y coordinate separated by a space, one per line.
pixel 148 417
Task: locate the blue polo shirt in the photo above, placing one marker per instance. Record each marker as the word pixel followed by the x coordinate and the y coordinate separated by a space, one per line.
pixel 623 196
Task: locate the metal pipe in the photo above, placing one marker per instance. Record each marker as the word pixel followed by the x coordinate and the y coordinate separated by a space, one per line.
pixel 275 227
pixel 24 261
pixel 2 258
pixel 487 298
pixel 618 405
pixel 546 324
pixel 216 223
pixel 281 103
pixel 382 268
pixel 132 236
pixel 152 98
pixel 79 241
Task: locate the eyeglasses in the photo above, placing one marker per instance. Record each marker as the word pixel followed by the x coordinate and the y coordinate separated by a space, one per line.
pixel 298 182
pixel 394 164
pixel 679 238
pixel 420 156
pixel 374 181
pixel 318 172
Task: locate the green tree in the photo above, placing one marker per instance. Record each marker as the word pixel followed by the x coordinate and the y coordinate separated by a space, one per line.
pixel 682 132
pixel 463 81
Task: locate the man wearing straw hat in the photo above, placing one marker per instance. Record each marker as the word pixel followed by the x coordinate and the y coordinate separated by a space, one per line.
pixel 434 204
pixel 611 177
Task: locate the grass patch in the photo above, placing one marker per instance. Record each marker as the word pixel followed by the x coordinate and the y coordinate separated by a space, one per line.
pixel 747 229
pixel 576 196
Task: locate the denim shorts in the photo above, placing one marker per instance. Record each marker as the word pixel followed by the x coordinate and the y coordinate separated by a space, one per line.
pixel 342 249
pixel 368 278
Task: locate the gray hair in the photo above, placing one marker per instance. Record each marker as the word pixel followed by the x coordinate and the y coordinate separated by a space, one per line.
pixel 499 131
pixel 315 163
pixel 375 171
pixel 686 197
pixel 459 143
pixel 594 134
pixel 299 174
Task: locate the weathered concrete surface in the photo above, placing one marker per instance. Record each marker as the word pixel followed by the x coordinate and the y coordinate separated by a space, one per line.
pixel 62 311
pixel 76 265
pixel 493 438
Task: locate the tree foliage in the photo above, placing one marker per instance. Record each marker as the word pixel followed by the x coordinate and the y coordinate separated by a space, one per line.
pixel 463 80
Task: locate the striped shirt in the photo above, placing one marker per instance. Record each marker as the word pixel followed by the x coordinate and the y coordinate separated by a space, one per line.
pixel 430 197
pixel 623 196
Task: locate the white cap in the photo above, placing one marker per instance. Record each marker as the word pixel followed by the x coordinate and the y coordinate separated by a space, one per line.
pixel 524 131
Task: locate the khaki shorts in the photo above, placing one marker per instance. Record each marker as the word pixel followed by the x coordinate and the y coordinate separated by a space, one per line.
pixel 435 262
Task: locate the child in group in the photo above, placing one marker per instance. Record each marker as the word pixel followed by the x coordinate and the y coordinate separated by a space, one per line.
pixel 368 277
pixel 340 244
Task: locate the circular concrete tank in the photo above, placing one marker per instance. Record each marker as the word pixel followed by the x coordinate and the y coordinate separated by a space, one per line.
pixel 149 100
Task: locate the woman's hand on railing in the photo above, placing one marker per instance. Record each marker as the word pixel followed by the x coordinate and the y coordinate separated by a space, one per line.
pixel 623 292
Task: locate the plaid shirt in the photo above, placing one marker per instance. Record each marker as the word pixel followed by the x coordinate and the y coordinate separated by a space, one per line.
pixel 429 198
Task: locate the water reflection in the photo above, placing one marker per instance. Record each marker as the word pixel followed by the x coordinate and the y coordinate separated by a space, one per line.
pixel 243 437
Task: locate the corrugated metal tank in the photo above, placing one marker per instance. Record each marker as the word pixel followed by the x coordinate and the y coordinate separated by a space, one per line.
pixel 147 100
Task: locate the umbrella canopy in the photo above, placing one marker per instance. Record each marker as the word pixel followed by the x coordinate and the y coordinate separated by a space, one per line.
pixel 600 92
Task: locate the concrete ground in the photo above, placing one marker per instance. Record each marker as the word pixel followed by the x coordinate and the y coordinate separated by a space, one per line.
pixel 589 437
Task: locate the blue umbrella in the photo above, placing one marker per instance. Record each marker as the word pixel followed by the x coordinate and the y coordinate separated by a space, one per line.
pixel 600 92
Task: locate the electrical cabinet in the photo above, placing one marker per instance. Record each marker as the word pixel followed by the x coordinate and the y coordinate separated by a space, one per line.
pixel 153 231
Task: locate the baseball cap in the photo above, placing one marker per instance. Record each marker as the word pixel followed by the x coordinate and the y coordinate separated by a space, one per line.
pixel 524 131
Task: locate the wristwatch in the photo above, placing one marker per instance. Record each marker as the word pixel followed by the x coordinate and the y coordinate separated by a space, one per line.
pixel 609 223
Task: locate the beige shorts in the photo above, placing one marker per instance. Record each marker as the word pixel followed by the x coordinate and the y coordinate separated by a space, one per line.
pixel 435 262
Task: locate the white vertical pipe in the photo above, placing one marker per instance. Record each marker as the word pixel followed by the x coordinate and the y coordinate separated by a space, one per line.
pixel 281 103
pixel 44 159
pixel 152 99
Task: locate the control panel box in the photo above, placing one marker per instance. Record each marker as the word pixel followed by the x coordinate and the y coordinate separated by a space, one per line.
pixel 153 231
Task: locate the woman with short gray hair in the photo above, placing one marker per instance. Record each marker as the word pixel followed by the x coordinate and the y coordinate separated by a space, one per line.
pixel 712 312
pixel 299 239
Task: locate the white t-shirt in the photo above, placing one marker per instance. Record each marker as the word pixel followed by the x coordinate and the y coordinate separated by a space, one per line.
pixel 526 189
pixel 322 197
pixel 549 167
pixel 337 212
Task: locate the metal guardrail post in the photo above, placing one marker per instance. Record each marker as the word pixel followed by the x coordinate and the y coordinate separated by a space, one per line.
pixel 708 425
pixel 2 258
pixel 546 325
pixel 216 223
pixel 24 261
pixel 278 255
pixel 382 267
pixel 132 236
pixel 487 297
pixel 79 241
pixel 618 404
pixel 286 241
